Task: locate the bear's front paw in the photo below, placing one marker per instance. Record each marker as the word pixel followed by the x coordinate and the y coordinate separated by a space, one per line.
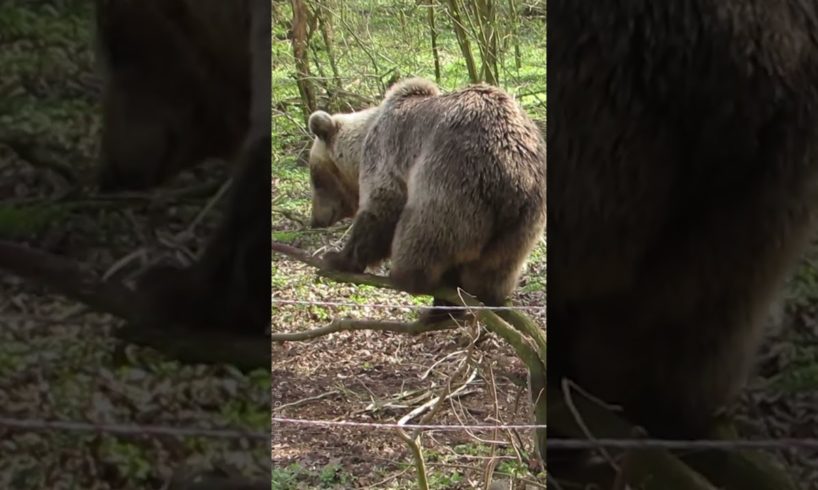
pixel 340 262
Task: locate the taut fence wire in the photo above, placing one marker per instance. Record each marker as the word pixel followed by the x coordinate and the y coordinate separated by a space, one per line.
pixel 20 424
pixel 647 443
pixel 402 307
pixel 139 430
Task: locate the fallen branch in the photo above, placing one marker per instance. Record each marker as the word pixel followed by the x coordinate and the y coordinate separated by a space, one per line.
pixel 68 278
pixel 578 415
pixel 516 328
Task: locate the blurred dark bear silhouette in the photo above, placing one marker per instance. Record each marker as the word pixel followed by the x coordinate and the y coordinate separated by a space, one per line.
pixel 187 80
pixel 176 86
pixel 683 170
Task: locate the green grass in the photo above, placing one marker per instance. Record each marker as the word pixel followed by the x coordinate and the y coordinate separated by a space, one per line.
pixel 297 477
pixel 20 222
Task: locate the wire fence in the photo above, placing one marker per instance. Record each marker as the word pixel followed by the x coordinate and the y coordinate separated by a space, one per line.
pixel 768 444
pixel 142 430
pixel 129 429
pixel 646 443
pixel 12 424
pixel 342 304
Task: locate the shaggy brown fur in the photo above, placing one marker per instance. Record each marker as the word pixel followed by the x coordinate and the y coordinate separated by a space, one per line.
pixel 177 86
pixel 451 187
pixel 683 145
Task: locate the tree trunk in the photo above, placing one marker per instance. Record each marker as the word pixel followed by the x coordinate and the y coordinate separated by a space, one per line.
pixel 301 54
pixel 485 30
pixel 512 7
pixel 463 40
pixel 324 14
pixel 433 34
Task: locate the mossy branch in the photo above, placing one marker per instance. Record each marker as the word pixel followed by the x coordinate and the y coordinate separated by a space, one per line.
pixel 516 328
pixel 662 469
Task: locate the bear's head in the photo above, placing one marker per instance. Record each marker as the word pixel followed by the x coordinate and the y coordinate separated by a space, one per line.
pixel 334 161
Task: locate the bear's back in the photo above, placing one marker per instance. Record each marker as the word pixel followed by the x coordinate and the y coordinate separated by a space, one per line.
pixel 476 139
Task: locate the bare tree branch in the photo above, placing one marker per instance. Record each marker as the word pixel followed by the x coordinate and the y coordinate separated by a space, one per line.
pixel 70 279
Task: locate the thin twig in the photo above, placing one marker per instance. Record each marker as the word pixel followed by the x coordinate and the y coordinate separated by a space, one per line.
pixel 305 400
pixel 567 385
pixel 189 231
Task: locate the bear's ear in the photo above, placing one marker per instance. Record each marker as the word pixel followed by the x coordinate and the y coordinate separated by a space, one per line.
pixel 322 125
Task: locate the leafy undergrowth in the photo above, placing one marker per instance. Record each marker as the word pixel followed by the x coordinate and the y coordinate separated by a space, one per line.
pixel 58 361
pixel 782 401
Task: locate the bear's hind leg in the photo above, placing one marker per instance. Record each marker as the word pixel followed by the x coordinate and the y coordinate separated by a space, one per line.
pixel 441 309
pixel 494 275
pixel 430 242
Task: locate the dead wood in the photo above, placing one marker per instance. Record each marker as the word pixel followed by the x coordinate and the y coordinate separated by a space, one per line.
pixel 70 279
pixel 580 416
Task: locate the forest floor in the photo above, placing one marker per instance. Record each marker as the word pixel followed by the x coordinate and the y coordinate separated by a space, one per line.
pixel 380 377
pixel 60 361
pixel 377 377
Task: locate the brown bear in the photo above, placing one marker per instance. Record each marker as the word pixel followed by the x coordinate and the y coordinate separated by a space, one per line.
pixel 684 148
pixel 451 187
